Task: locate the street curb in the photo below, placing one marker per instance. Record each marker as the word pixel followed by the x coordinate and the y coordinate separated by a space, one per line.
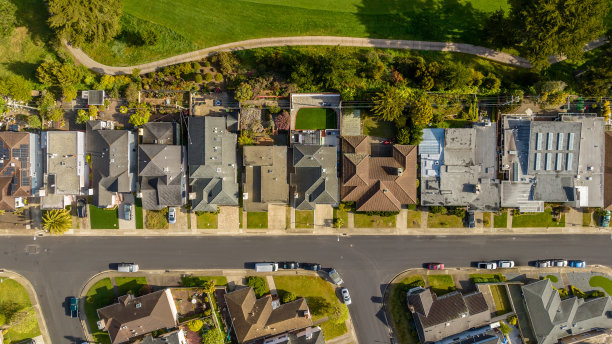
pixel 422 271
pixel 42 324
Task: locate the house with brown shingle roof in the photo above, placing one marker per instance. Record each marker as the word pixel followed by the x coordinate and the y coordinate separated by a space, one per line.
pixel 254 318
pixel 15 165
pixel 134 317
pixel 378 176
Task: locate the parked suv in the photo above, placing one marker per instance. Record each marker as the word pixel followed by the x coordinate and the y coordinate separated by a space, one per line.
pixel 487 265
pixel 505 264
pixel 470 219
pixel 542 263
pixel 577 263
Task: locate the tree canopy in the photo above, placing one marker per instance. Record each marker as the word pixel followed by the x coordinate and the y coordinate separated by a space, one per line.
pixel 141 116
pixel 15 87
pixel 213 336
pixel 7 18
pixel 85 21
pixel 56 221
pixel 54 73
pixel 390 103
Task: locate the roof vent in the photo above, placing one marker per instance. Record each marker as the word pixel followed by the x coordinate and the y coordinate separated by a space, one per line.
pixel 385 190
pixel 138 305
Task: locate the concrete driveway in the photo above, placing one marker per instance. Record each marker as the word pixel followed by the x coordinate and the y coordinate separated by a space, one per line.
pixel 227 220
pixel 277 216
pixel 181 219
pixel 123 222
pixel 323 216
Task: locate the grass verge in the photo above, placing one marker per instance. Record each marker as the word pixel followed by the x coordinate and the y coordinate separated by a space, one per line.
pixel 414 219
pixel 441 284
pixel 99 295
pixel 501 221
pixel 444 221
pixel 373 221
pixel 138 214
pixel 400 315
pixel 130 284
pixel 341 215
pixel 543 219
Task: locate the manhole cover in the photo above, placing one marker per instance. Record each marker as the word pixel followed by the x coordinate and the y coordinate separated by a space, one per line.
pixel 32 249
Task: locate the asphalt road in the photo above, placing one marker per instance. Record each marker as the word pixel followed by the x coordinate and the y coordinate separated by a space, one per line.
pixel 58 267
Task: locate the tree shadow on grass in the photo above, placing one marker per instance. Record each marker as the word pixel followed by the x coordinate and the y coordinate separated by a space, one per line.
pixel 33 14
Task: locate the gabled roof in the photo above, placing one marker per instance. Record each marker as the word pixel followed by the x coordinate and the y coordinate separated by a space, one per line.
pixel 162 133
pixel 254 318
pixel 378 183
pixel 316 178
pixel 136 316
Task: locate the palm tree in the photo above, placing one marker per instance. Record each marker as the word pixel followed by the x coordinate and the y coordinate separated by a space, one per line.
pixel 57 221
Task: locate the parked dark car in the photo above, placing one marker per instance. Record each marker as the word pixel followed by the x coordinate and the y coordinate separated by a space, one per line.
pixel 288 265
pixel 81 208
pixel 470 219
pixel 74 307
pixel 310 266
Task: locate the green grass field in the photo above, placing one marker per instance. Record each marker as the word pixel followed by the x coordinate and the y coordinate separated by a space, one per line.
pixel 342 215
pixel 184 25
pixel 543 219
pixel 207 220
pixel 304 219
pixel 500 221
pixel 103 218
pixel 602 282
pixel 138 212
pixel 400 315
pixel 444 221
pixel 315 118
pixel 374 127
pixel 99 295
pixel 257 219
pixel 14 300
pixel 130 284
pixel 441 284
pixel 363 220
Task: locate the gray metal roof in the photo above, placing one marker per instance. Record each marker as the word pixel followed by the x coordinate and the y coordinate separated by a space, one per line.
pixel 212 158
pixel 432 141
pixel 316 176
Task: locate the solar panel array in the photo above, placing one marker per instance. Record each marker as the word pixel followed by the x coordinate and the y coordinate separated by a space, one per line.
pixel 25 178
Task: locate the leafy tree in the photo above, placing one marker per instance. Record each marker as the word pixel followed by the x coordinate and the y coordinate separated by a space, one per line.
pixel 69 93
pixel 123 109
pixel 195 325
pixel 56 221
pixel 213 336
pixel 131 93
pixel 209 286
pixel 93 111
pixel 419 110
pixel 55 114
pixel 218 77
pixel 288 297
pixel 46 103
pixel 34 121
pixel 282 121
pixel 245 140
pixel 389 104
pixel 504 328
pixel 208 76
pixel 243 92
pixel 82 116
pixel 597 79
pixel 198 78
pixel 15 87
pixel 54 73
pixel 259 285
pixel 403 136
pixel 605 110
pixel 85 21
pixel 490 83
pixel 141 116
pixel 499 30
pixel 438 209
pixel 557 27
pixel 227 62
pixel 338 222
pixel 7 18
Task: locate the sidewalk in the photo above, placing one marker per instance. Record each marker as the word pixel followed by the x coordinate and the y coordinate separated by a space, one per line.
pixel 34 299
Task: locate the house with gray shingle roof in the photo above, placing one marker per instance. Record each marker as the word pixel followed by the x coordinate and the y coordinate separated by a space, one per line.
pixel 161 167
pixel 315 177
pixel 113 163
pixel 211 156
pixel 552 318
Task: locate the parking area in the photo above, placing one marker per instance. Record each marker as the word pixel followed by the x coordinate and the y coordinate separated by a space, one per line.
pixel 277 216
pixel 181 220
pixel 127 218
pixel 323 216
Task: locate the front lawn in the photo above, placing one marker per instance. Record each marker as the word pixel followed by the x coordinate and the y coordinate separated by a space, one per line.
pixel 304 219
pixel 138 213
pixel 257 219
pixel 487 278
pixel 444 221
pixel 315 118
pixel 199 281
pixel 486 220
pixel 157 219
pixel 586 218
pixel 15 304
pixel 441 284
pixel 320 295
pixel 374 127
pixel 363 220
pixel 414 219
pixel 543 219
pixel 501 221
pixel 103 218
pixel 341 215
pixel 130 284
pixel 206 220
pixel 400 315
pixel 500 297
pixel 602 282
pixel 99 295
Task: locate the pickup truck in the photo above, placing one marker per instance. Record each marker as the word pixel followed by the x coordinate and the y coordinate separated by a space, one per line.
pixel 335 277
pixel 74 307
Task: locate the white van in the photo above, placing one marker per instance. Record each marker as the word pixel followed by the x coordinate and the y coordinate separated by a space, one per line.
pixel 127 267
pixel 266 267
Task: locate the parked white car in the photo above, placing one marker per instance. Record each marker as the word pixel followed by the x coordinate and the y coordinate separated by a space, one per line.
pixel 542 264
pixel 505 264
pixel 346 297
pixel 559 262
pixel 487 265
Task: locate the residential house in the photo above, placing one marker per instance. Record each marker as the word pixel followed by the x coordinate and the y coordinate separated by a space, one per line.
pixel 94 97
pixel 113 163
pixel 459 167
pixel 309 335
pixel 254 319
pixel 315 177
pixel 134 317
pixel 161 166
pixel 211 156
pixel 439 317
pixel 378 176
pixel 66 175
pixel 17 168
pixel 552 161
pixel 174 337
pixel 552 318
pixel 265 177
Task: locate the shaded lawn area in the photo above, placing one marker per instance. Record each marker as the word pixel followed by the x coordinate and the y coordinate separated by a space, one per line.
pixel 552 278
pixel 500 297
pixel 487 278
pixel 130 284
pixel 486 219
pixel 157 219
pixel 342 215
pixel 206 220
pixel 543 219
pixel 586 218
pixel 99 295
pixel 373 221
pixel 103 218
pixel 198 281
pixel 602 282
pixel 500 221
pixel 257 219
pixel 441 284
pixel 138 214
pixel 317 292
pixel 400 315
pixel 414 219
pixel 304 219
pixel 373 127
pixel 443 221
pixel 14 298
pixel 315 118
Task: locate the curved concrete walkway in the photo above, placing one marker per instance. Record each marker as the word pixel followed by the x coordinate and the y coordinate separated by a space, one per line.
pixel 487 53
